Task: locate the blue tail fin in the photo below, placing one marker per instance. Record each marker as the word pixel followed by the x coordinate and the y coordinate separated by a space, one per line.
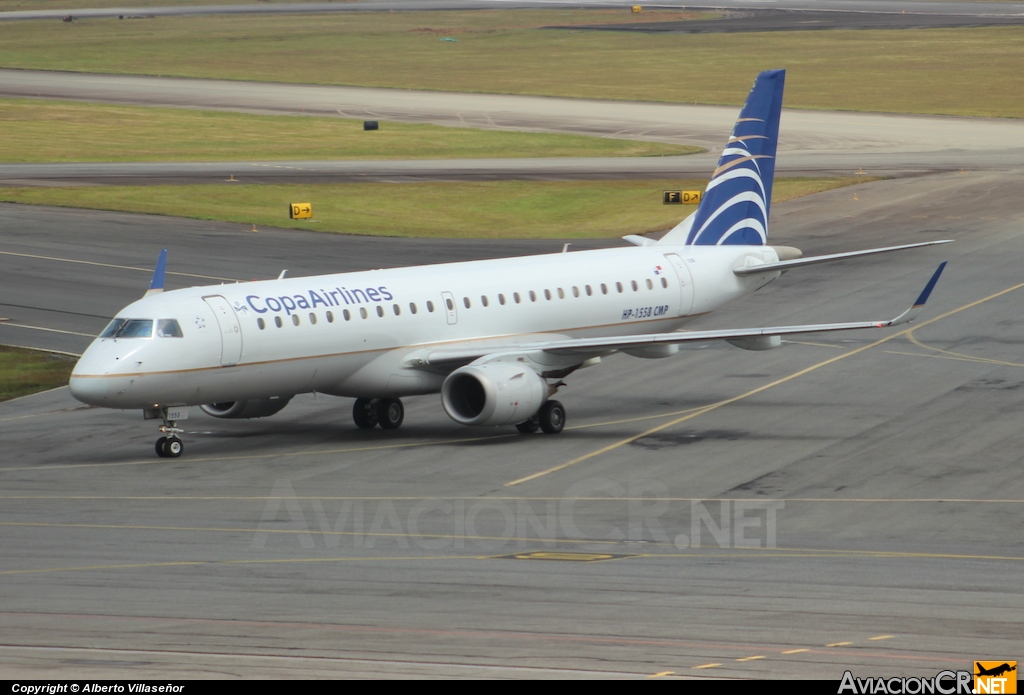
pixel 735 205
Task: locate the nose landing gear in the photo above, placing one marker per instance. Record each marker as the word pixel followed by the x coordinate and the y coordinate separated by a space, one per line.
pixel 169 445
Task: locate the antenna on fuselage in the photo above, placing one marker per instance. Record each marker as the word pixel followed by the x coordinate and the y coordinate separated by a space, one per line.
pixel 283 273
pixel 156 285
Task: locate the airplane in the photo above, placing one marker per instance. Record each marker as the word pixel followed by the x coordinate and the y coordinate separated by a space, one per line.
pixel 994 671
pixel 495 338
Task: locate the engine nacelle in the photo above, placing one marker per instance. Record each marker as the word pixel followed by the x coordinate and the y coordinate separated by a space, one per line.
pixel 497 393
pixel 261 407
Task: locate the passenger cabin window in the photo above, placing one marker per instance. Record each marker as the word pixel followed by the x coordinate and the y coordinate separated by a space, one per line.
pixel 430 306
pixel 412 307
pixel 362 311
pixel 604 288
pixel 515 296
pixel 561 293
pixel 312 318
pixel 664 282
pixel 465 300
pixel 330 317
pixel 347 314
pixel 636 287
pixel 261 323
pixel 397 309
pixel 278 322
pixel 547 295
pixel 589 291
pixel 501 299
pixel 168 328
pixel 618 286
pixel 483 300
pixel 129 328
pixel 575 291
pixel 295 319
pixel 380 311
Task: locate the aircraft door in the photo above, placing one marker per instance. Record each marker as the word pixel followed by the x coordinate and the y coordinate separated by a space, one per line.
pixel 230 330
pixel 685 282
pixel 449 306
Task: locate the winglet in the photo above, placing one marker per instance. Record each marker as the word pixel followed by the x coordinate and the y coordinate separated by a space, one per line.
pixel 911 313
pixel 156 285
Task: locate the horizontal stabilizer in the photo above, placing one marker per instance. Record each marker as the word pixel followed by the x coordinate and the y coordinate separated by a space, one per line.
pixel 814 260
pixel 638 240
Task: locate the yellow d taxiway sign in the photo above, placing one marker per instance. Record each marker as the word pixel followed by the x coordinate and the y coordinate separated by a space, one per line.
pixel 681 198
pixel 300 211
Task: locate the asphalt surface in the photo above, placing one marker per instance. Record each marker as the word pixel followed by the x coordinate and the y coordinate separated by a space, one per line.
pixel 759 20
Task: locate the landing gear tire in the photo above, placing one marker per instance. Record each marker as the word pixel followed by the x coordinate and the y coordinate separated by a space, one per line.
pixel 173 447
pixel 390 413
pixel 529 426
pixel 552 417
pixel 364 413
pixel 169 447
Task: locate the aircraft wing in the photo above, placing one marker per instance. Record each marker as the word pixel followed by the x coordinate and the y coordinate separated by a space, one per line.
pixel 814 260
pixel 589 347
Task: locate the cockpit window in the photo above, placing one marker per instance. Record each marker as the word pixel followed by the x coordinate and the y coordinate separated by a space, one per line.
pixel 112 328
pixel 168 328
pixel 129 328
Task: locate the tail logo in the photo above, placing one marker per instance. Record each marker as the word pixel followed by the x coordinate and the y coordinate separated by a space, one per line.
pixel 742 216
pixel 736 204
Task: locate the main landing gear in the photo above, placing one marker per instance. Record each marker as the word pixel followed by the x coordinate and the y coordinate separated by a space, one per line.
pixel 550 418
pixel 370 412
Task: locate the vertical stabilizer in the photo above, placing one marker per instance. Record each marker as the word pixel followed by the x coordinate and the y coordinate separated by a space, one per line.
pixel 735 205
pixel 156 285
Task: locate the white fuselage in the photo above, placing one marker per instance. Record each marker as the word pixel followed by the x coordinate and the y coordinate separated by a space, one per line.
pixel 352 334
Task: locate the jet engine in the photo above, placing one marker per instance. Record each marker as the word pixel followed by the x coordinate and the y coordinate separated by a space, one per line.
pixel 261 407
pixel 497 393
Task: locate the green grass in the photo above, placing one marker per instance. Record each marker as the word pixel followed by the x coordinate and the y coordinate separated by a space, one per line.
pixel 27 371
pixel 508 209
pixel 57 131
pixel 973 71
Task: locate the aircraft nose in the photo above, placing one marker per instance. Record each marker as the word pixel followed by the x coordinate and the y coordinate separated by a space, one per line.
pixel 91 390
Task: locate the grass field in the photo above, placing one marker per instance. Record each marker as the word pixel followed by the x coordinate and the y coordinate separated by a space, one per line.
pixel 971 71
pixel 57 131
pixel 26 371
pixel 508 209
